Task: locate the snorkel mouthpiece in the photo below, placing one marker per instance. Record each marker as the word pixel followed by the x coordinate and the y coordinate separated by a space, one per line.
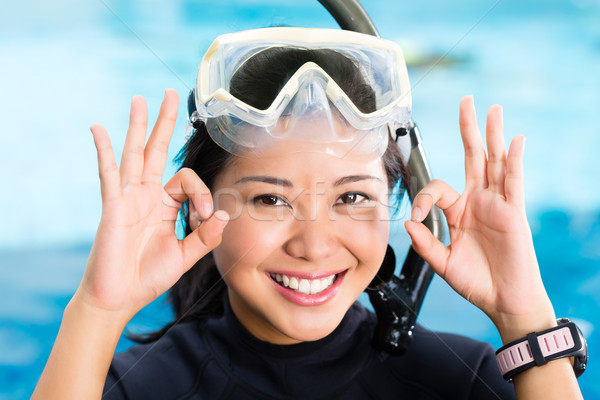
pixel 397 300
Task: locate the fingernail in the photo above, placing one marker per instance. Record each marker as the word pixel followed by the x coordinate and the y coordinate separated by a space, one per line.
pixel 221 215
pixel 416 214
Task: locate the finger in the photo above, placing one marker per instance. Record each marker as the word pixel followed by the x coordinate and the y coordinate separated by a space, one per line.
pixel 205 238
pixel 496 165
pixel 428 246
pixel 435 192
pixel 514 182
pixel 186 184
pixel 132 160
pixel 107 165
pixel 475 161
pixel 157 148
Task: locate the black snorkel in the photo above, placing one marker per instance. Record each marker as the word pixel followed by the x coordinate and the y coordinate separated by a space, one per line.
pixel 396 300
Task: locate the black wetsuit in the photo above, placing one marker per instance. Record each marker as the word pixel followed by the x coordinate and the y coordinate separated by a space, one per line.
pixel 218 358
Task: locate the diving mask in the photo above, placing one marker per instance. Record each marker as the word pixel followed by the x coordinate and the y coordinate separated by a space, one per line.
pixel 311 109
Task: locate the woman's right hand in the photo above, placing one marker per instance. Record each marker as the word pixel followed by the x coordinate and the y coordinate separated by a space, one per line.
pixel 136 255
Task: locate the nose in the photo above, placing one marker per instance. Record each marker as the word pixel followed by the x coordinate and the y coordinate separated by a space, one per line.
pixel 313 239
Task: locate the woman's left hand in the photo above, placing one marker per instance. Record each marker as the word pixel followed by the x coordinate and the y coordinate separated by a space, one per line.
pixel 491 260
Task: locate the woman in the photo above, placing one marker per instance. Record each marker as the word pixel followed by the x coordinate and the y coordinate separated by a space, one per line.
pixel 287 179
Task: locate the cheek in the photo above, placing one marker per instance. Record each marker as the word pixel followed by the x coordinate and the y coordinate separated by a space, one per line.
pixel 366 232
pixel 247 242
pixel 366 235
pixel 368 243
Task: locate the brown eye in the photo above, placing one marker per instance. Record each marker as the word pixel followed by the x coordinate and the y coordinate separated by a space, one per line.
pixel 352 198
pixel 269 200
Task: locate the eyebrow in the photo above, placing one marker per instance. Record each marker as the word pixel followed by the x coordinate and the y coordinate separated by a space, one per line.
pixel 286 183
pixel 354 178
pixel 266 179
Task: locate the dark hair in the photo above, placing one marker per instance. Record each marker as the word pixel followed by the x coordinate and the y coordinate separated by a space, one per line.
pixel 200 291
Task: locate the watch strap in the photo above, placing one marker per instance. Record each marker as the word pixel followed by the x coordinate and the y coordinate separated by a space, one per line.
pixel 537 348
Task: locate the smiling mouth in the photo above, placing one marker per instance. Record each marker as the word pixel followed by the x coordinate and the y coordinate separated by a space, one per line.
pixel 306 286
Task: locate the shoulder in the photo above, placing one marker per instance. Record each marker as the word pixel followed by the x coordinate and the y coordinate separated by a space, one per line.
pixel 435 366
pixel 160 369
pixel 449 365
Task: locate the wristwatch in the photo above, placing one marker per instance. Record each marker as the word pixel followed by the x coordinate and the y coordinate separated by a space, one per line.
pixel 537 348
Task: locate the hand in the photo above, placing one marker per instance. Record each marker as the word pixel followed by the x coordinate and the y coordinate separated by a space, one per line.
pixel 491 259
pixel 136 255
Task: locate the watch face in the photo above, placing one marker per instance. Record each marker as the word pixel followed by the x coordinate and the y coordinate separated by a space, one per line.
pixel 580 355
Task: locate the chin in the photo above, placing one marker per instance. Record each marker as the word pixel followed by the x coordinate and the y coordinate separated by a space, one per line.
pixel 308 331
pixel 313 323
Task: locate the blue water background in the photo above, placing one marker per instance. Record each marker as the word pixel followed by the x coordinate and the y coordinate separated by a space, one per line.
pixel 67 64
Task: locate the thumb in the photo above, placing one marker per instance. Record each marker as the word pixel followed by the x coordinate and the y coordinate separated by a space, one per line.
pixel 205 238
pixel 428 246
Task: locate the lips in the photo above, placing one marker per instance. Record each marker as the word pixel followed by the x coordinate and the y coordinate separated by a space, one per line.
pixel 307 289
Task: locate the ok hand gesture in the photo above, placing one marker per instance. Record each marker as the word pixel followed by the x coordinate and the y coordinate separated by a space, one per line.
pixel 490 260
pixel 136 255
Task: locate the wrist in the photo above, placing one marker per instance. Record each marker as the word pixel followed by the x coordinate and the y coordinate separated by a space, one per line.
pixel 512 327
pixel 111 322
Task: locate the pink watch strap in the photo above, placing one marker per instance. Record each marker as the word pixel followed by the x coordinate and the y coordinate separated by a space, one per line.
pixel 520 354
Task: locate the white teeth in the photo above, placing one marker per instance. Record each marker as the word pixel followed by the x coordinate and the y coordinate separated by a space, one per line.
pixel 315 286
pixel 293 283
pixel 306 286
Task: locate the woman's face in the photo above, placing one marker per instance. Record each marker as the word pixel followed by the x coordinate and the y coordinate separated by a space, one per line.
pixel 307 234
